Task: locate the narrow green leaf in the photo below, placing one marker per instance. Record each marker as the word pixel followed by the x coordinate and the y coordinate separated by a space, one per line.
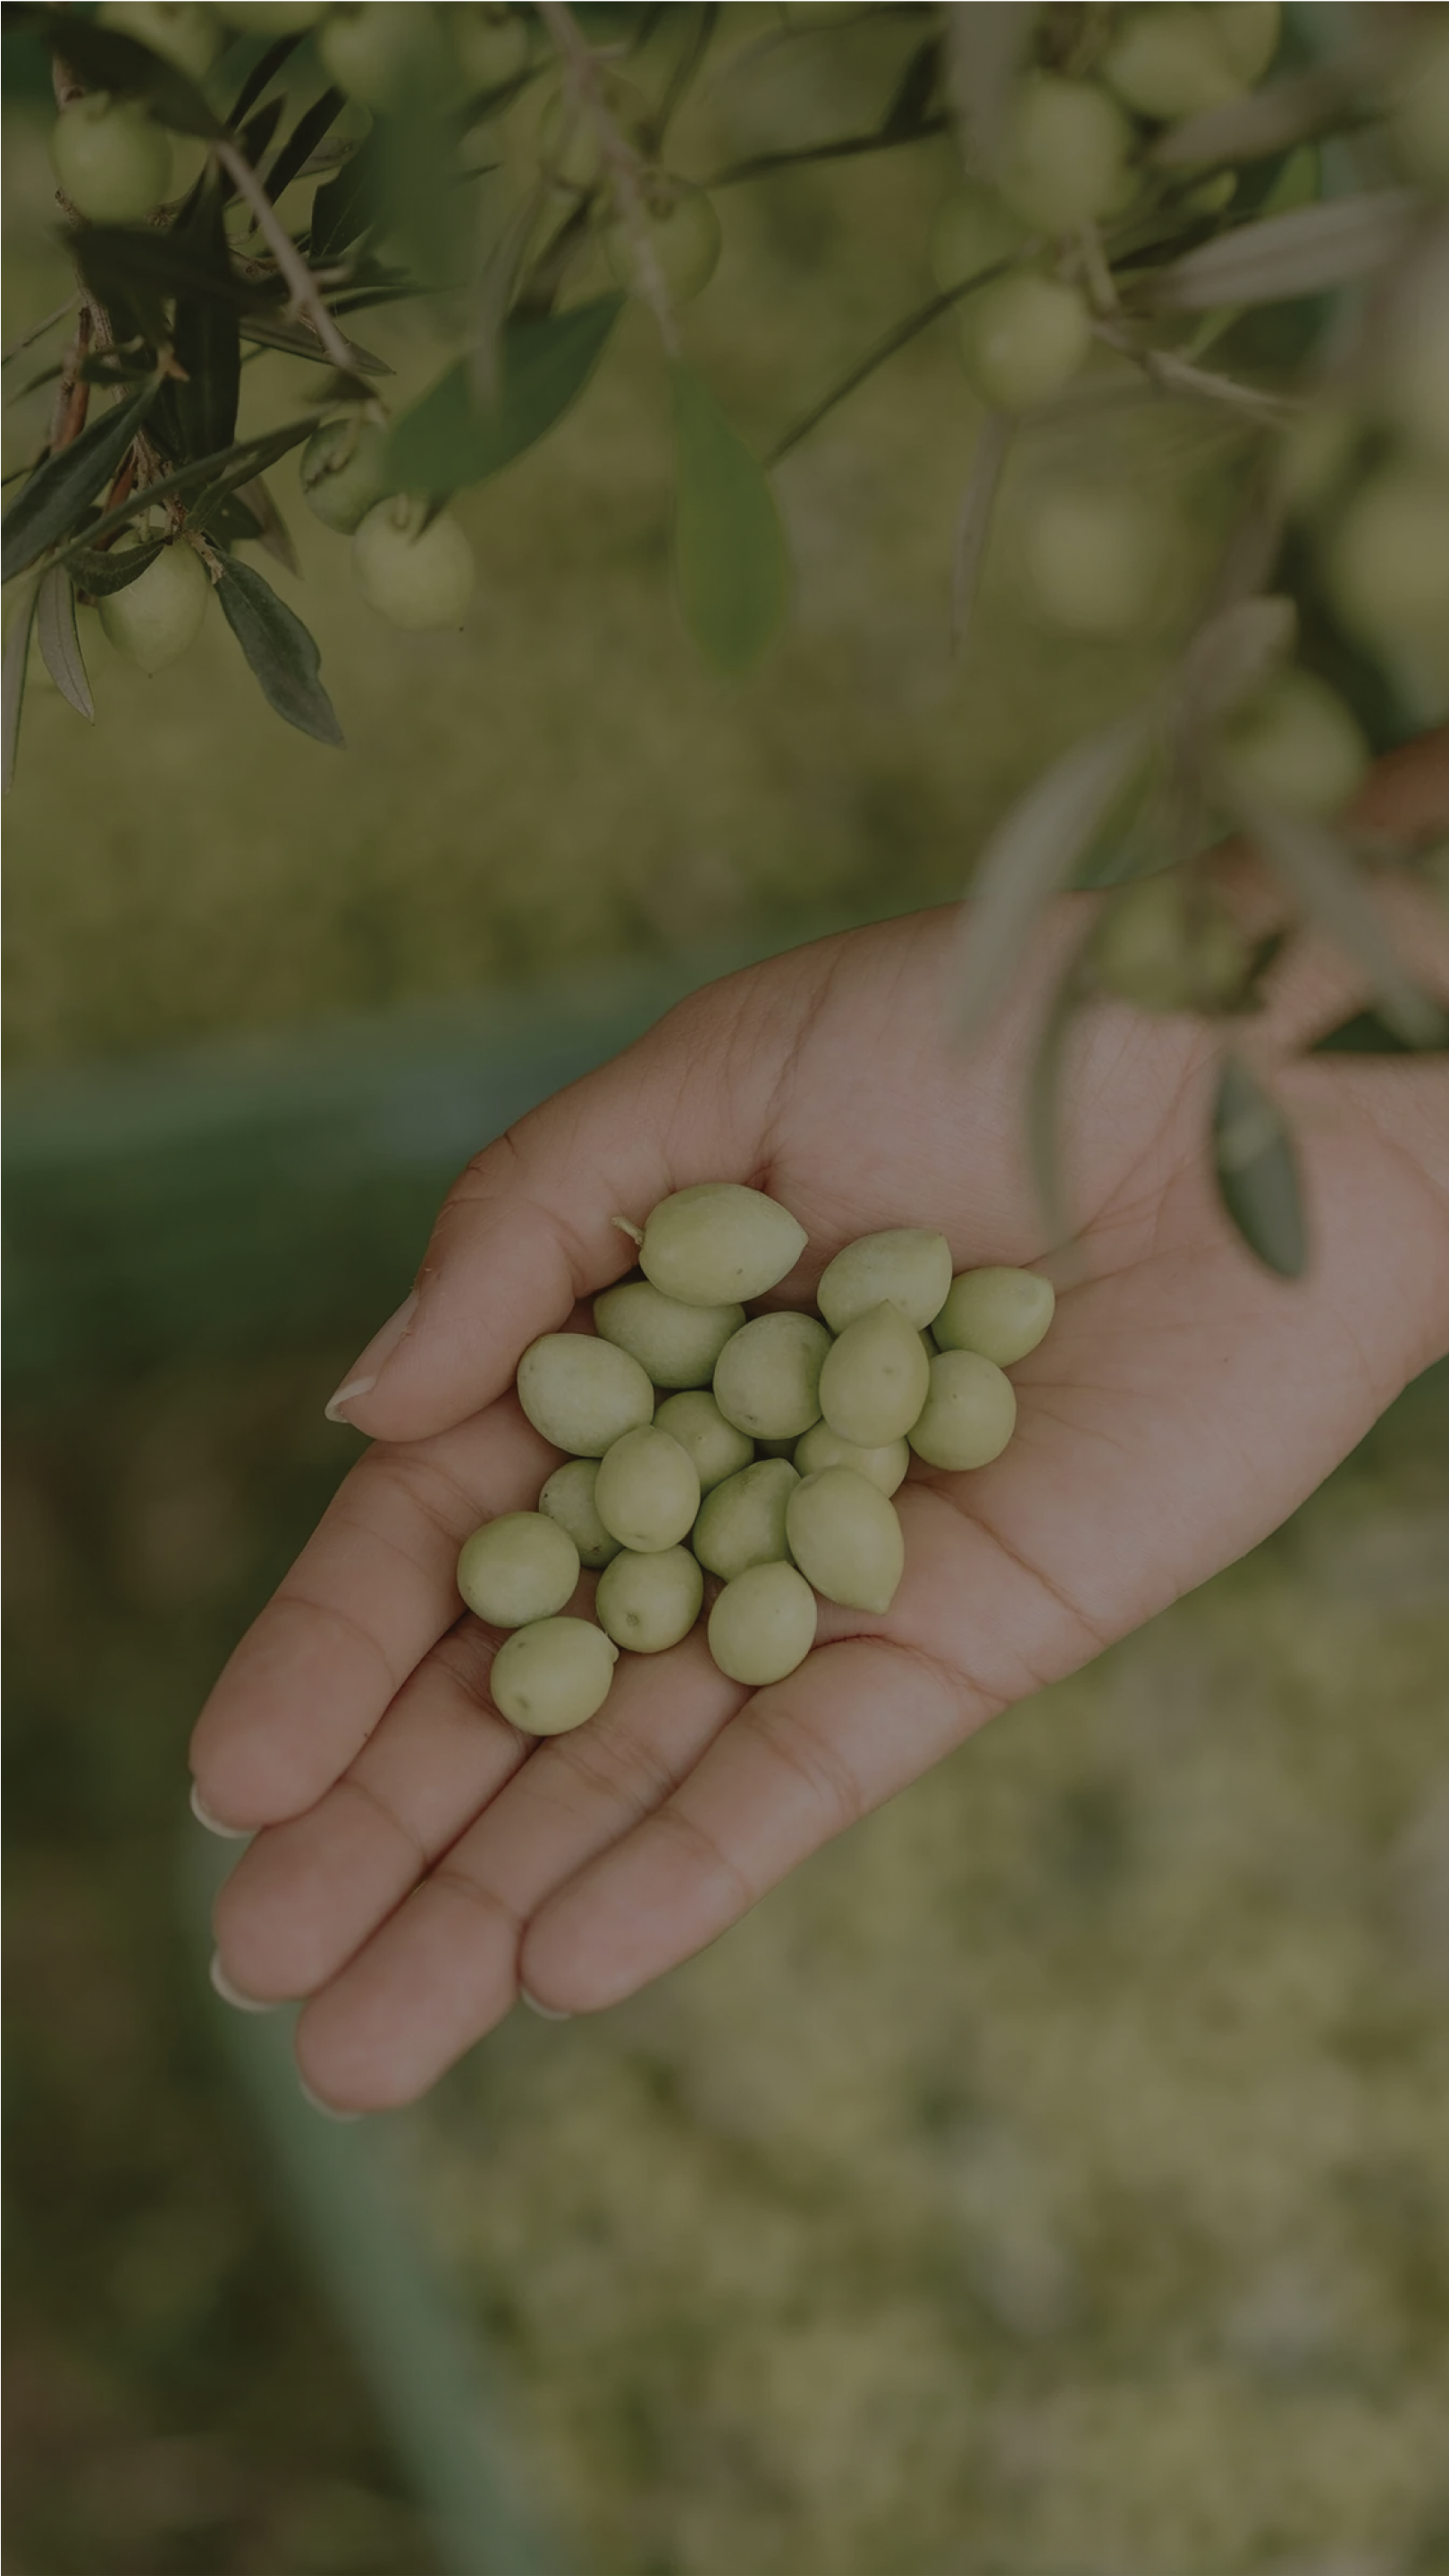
pixel 207 343
pixel 262 73
pixel 62 485
pixel 347 206
pixel 447 440
pixel 730 558
pixel 122 260
pixel 101 575
pixel 1302 253
pixel 55 632
pixel 1257 1171
pixel 1320 871
pixel 1233 653
pixel 104 59
pixel 973 520
pixel 1044 1096
pixel 268 527
pixel 1031 855
pixel 273 331
pixel 212 477
pixel 303 140
pixel 12 687
pixel 1272 120
pixel 280 650
pixel 1369 1033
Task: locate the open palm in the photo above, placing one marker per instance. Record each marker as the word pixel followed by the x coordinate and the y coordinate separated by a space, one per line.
pixel 420 1861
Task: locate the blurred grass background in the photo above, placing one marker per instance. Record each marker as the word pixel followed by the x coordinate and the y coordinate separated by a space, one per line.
pixel 1049 2180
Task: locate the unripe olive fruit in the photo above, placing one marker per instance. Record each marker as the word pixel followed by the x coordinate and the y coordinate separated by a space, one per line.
pixel 1169 62
pixel 677 1344
pixel 568 1498
pixel 1388 558
pixel 112 161
pixel 1066 150
pixel 973 231
pixel 582 1394
pixel 1142 951
pixel 647 1490
pixel 1000 1313
pixel 158 616
pixel 1023 338
pixel 552 1675
pixel 1099 562
pixel 179 31
pixel 742 1523
pixel 969 1415
pixel 342 471
pixel 381 48
pixel 1421 117
pixel 884 1465
pixel 491 44
pixel 648 1603
pixel 906 1263
pixel 1295 743
pixel 416 571
pixel 1247 33
pixel 763 1625
pixel 846 1539
pixel 519 1567
pixel 696 1422
pixel 680 235
pixel 271 18
pixel 875 1378
pixel 717 1243
pixel 767 1380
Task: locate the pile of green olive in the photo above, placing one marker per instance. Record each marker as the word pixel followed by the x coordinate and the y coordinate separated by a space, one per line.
pixel 760 1451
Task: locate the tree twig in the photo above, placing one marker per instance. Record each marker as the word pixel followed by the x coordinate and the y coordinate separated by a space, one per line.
pixel 305 295
pixel 898 338
pixel 584 76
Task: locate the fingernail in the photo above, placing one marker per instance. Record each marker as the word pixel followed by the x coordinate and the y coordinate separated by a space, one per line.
pixel 366 1370
pixel 328 2110
pixel 231 1994
pixel 213 1824
pixel 545 2012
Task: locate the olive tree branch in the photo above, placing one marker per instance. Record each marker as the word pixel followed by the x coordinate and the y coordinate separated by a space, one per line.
pixel 305 296
pixel 898 338
pixel 1199 384
pixel 583 74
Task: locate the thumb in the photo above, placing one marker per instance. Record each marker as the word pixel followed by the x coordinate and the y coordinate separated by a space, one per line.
pixel 526 1229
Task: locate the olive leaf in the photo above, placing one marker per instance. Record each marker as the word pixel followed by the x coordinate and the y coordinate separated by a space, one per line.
pixel 303 140
pixel 55 633
pixel 984 49
pixel 1369 1033
pixel 62 485
pixel 1319 870
pixel 1232 654
pixel 1300 253
pixel 281 652
pixel 206 342
pixel 120 261
pixel 259 78
pixel 1257 1171
pixel 1274 119
pixel 1031 855
pixel 730 559
pixel 973 520
pixel 299 340
pixel 447 440
pixel 346 207
pixel 268 527
pixel 12 687
pixel 212 477
pixel 103 59
pixel 100 575
pixel 1044 1094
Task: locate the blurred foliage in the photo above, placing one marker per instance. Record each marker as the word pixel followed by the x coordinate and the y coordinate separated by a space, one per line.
pixel 1057 2159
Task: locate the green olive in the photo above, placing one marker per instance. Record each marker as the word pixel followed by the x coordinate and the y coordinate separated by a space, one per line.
pixel 969 1415
pixel 1002 1314
pixel 884 1464
pixel 581 1393
pixel 1247 32
pixel 717 1243
pixel 875 1378
pixel 647 1490
pixel 112 160
pixel 1388 559
pixel 1169 62
pixel 767 1380
pixel 648 1603
pixel 907 1264
pixel 568 1498
pixel 158 616
pixel 763 1625
pixel 1167 944
pixel 412 564
pixel 552 1675
pixel 517 1568
pixel 1024 338
pixel 742 1523
pixel 1296 744
pixel 1066 151
pixel 343 472
pixel 696 1422
pixel 676 1343
pixel 846 1539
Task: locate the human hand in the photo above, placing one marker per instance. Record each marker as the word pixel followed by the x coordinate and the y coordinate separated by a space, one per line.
pixel 418 1861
